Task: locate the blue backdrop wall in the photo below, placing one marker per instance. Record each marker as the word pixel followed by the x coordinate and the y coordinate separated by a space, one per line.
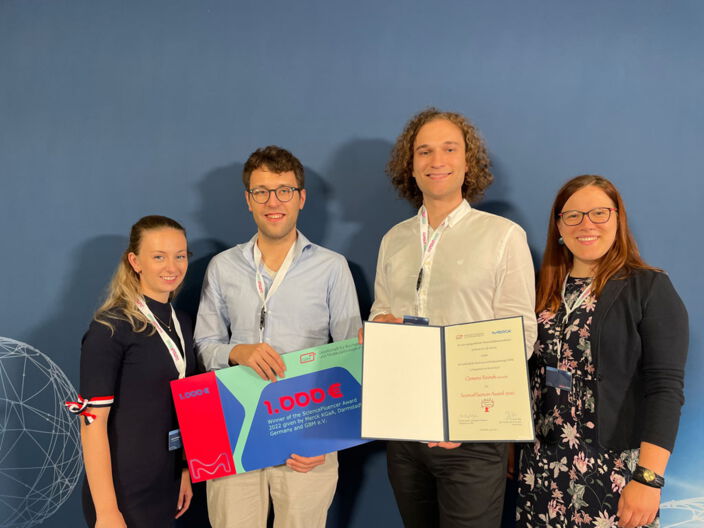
pixel 113 110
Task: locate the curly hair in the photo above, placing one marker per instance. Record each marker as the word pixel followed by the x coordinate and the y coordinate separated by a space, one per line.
pixel 400 166
pixel 274 159
pixel 621 259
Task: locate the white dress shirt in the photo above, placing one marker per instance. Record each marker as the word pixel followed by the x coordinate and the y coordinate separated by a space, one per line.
pixel 481 269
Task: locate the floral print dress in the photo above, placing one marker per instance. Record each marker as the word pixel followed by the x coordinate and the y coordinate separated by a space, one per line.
pixel 566 479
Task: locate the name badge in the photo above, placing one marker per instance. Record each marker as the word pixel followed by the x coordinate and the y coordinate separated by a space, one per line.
pixel 559 379
pixel 175 440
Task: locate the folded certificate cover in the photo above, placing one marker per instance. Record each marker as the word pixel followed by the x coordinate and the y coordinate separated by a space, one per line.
pixel 458 383
pixel 233 421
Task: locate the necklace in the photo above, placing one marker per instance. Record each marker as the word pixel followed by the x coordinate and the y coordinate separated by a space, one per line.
pixel 168 326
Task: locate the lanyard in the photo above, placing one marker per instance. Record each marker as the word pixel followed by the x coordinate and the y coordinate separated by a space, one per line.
pixel 261 288
pixel 569 308
pixel 428 245
pixel 178 359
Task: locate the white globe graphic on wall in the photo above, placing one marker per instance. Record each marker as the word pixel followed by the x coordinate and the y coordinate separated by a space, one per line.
pixel 40 456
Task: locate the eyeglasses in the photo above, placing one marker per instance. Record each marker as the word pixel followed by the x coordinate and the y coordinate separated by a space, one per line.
pixel 598 215
pixel 262 195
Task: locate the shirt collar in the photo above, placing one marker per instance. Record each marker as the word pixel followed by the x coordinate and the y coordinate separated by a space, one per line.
pixel 456 214
pixel 299 246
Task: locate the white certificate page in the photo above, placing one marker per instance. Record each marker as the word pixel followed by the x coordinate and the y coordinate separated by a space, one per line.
pixel 402 386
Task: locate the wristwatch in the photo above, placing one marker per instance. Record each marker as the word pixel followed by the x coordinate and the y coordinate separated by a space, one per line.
pixel 648 477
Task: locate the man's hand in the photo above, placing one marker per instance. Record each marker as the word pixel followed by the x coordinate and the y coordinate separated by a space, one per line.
pixel 304 464
pixel 261 358
pixel 445 445
pixel 638 505
pixel 381 318
pixel 387 318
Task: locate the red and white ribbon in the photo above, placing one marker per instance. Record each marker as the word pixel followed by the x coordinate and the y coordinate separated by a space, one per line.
pixel 79 407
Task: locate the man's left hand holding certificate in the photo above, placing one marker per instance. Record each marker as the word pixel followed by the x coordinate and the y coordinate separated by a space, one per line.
pixel 233 421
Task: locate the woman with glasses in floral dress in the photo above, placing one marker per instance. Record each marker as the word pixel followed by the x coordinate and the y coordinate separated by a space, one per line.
pixel 607 372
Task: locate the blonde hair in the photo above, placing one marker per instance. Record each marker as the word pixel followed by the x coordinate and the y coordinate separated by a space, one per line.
pixel 124 288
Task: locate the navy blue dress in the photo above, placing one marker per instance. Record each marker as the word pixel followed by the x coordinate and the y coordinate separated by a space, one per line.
pixel 136 369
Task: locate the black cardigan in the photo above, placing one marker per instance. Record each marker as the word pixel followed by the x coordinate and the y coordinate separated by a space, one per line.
pixel 639 341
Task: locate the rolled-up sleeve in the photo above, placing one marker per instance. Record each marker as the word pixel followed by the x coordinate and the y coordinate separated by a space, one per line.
pixel 212 332
pixel 515 292
pixel 345 320
pixel 382 299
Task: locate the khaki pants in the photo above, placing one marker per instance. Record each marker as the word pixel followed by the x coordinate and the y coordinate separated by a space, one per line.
pixel 301 500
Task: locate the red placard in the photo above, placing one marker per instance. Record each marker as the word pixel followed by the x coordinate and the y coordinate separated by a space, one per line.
pixel 197 401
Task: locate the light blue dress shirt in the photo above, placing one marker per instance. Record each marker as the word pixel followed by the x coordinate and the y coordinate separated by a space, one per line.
pixel 316 301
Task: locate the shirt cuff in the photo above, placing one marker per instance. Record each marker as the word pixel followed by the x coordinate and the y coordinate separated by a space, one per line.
pixel 214 356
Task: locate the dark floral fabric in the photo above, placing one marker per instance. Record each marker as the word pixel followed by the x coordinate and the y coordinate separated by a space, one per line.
pixel 566 479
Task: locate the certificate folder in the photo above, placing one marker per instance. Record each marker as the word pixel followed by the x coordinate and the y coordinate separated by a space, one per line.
pixel 457 383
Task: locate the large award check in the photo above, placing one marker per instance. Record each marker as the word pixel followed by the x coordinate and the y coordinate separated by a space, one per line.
pixel 459 383
pixel 233 421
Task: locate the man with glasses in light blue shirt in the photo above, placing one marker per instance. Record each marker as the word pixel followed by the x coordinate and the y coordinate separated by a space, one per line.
pixel 275 294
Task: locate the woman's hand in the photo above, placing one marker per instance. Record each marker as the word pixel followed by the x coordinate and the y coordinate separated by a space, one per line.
pixel 185 494
pixel 111 519
pixel 638 505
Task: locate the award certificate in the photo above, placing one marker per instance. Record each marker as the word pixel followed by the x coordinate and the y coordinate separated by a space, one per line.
pixel 459 383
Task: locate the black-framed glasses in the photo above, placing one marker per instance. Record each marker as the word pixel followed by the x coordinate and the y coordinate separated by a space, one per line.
pixel 283 193
pixel 598 215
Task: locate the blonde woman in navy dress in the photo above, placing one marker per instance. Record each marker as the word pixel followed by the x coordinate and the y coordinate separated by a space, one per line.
pixel 136 344
pixel 607 372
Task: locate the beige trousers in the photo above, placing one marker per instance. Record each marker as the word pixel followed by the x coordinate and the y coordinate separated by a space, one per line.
pixel 301 500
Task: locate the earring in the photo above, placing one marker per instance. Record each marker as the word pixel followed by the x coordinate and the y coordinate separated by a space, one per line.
pixel 561 241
